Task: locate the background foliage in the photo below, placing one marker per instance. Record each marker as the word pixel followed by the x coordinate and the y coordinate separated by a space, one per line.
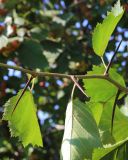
pixel 52 36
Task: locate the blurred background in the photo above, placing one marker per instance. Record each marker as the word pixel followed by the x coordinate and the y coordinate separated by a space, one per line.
pixel 52 36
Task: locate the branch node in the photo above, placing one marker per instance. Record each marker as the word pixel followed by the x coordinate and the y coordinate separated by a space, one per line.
pixel 77 84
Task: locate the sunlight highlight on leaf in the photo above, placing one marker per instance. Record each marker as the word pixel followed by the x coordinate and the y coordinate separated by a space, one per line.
pixel 23 122
pixel 101 90
pixel 81 134
pixel 103 31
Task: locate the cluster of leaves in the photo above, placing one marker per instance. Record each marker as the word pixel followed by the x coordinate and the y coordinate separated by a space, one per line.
pixel 46 42
pixel 50 36
pixel 88 133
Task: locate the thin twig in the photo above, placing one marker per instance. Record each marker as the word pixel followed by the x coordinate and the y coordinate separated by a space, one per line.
pixel 34 73
pixel 44 74
pixel 78 86
pixel 114 108
pixel 110 63
pixel 27 84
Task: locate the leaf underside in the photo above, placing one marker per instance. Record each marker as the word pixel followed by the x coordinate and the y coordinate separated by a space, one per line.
pixel 79 141
pixel 81 134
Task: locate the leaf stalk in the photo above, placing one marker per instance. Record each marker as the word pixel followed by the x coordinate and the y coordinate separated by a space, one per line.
pixel 110 63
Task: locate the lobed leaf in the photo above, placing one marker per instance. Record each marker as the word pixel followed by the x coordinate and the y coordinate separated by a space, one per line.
pixel 103 31
pixel 23 122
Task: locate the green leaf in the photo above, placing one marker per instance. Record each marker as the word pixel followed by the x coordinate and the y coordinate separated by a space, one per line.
pixel 122 152
pixel 106 136
pixel 39 33
pixel 23 122
pixel 96 109
pixel 31 55
pixel 81 134
pixel 120 128
pixel 108 151
pixel 100 90
pixel 113 144
pixel 102 32
pixel 11 4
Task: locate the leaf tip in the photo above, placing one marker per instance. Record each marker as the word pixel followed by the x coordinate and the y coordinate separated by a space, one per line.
pixel 117 9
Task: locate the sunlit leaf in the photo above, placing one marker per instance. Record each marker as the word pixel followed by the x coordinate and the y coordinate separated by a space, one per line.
pixel 23 122
pixel 101 90
pixel 120 128
pixel 114 145
pixel 103 31
pixel 81 134
pixel 109 151
pixel 96 109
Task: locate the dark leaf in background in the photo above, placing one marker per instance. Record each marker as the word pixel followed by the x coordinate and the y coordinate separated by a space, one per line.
pixel 31 55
